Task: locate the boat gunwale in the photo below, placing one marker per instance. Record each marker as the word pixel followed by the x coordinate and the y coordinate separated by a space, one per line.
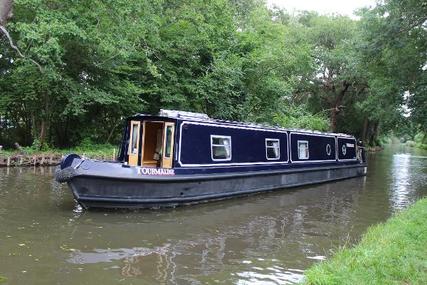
pixel 215 176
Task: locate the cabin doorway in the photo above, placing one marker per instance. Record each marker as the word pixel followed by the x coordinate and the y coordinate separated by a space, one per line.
pixel 156 149
pixel 157 144
pixel 152 144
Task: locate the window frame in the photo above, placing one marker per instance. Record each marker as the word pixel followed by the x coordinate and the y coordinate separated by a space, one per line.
pixel 170 141
pixel 220 145
pixel 132 141
pixel 267 147
pixel 298 149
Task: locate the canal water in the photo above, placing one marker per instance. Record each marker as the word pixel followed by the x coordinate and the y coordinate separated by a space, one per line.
pixel 264 239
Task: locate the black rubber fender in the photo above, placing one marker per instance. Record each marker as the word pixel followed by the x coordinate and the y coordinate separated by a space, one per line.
pixel 64 175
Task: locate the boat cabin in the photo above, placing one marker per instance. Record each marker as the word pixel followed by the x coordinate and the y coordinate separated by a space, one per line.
pixel 192 140
pixel 150 143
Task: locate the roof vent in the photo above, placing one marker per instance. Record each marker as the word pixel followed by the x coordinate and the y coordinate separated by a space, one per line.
pixel 182 114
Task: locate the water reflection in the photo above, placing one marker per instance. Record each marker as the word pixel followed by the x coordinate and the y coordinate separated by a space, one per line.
pixel 405 169
pixel 271 275
pixel 276 235
pixel 269 238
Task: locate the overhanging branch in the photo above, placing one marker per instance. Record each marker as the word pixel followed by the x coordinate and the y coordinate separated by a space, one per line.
pixel 13 46
pixel 5 15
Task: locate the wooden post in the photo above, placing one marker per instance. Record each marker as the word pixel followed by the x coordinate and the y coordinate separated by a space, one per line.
pixel 8 161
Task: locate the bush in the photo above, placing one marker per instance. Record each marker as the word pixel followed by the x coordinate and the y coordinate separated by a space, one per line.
pixel 385 139
pixel 298 117
pixel 420 141
pixel 421 138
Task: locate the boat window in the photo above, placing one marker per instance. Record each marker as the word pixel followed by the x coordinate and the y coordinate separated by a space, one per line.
pixel 220 148
pixel 272 149
pixel 328 149
pixel 168 146
pixel 302 149
pixel 344 149
pixel 135 132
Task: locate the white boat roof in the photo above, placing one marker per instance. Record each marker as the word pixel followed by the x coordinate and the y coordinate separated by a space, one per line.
pixel 201 117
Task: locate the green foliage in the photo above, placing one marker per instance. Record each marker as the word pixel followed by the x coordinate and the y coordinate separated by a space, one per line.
pixel 86 148
pixel 394 40
pixel 299 117
pixel 385 139
pixel 420 141
pixel 420 137
pixel 92 150
pixel 87 57
pixel 389 253
pixel 232 59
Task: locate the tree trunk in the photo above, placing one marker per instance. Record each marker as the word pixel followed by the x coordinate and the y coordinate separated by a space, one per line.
pixel 377 131
pixel 365 130
pixel 42 136
pixel 34 127
pixel 5 11
pixel 112 132
pixel 373 131
pixel 337 105
pixel 333 121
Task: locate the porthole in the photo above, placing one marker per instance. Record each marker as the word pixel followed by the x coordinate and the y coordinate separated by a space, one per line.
pixel 344 149
pixel 328 149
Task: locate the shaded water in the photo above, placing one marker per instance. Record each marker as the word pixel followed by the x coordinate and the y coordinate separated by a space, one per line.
pixel 268 238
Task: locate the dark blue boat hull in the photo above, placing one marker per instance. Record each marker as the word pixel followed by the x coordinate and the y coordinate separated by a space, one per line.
pixel 122 187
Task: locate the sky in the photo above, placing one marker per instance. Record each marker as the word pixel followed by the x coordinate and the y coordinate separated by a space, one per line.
pixel 343 7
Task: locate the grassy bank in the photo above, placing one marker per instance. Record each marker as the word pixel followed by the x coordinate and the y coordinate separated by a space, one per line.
pixel 29 156
pixel 94 150
pixel 391 253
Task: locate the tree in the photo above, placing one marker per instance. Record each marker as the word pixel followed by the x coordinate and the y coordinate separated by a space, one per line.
pixel 69 71
pixel 336 75
pixel 88 62
pixel 395 36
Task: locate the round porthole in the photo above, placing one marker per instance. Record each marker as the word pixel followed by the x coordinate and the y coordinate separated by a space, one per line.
pixel 328 149
pixel 344 149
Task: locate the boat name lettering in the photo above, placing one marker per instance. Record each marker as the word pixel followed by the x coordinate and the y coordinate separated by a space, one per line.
pixel 350 144
pixel 156 171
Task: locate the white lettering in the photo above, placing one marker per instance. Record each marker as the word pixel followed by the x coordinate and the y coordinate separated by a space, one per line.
pixel 350 144
pixel 155 171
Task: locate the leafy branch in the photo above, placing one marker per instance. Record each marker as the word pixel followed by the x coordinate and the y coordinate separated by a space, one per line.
pixel 5 15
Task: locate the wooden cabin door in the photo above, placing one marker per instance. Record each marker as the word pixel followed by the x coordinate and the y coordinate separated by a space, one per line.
pixel 133 149
pixel 168 141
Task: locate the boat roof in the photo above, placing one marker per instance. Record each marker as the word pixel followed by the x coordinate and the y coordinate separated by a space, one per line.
pixel 201 117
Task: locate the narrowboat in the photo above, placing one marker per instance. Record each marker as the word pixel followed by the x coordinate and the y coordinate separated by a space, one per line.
pixel 177 158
